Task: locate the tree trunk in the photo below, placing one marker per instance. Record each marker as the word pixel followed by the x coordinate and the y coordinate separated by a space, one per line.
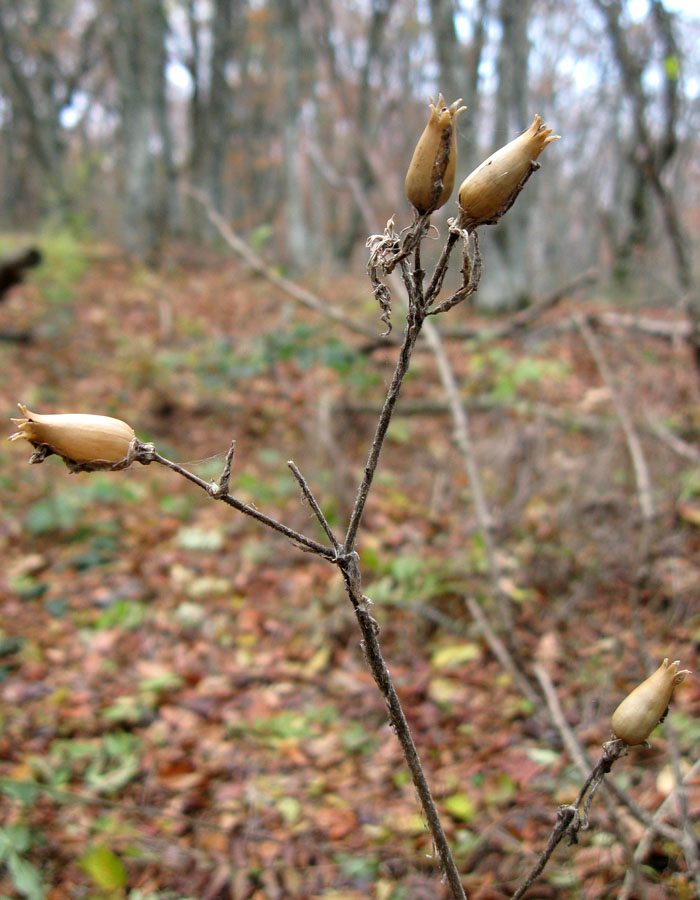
pixel 373 55
pixel 139 65
pixel 297 237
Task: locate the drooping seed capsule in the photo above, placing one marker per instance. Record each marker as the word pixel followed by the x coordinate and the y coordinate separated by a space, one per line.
pixel 84 442
pixel 642 709
pixel 430 179
pixel 490 190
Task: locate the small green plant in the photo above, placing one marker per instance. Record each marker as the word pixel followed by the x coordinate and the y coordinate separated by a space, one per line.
pixel 15 843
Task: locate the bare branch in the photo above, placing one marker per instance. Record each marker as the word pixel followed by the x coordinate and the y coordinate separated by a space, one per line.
pixel 216 493
pixel 306 490
pixel 463 439
pixel 572 818
pixel 501 652
pixel 641 470
pixel 644 846
pixel 257 264
pixel 678 445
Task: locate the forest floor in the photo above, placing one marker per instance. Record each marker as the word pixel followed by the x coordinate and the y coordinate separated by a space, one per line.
pixel 184 706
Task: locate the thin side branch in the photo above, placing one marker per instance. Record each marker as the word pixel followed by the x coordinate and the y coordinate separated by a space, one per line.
pixel 257 264
pixel 655 826
pixel 216 492
pixel 501 652
pixel 572 818
pixel 463 439
pixel 306 490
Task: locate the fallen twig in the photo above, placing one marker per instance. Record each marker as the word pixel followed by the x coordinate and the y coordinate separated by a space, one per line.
pixel 257 264
pixel 641 470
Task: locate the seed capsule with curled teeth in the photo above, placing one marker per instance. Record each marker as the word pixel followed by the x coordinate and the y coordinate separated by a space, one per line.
pixel 431 176
pixel 642 709
pixel 490 190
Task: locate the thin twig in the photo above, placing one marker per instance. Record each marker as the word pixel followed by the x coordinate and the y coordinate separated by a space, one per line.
pixel 525 318
pixel 257 264
pixel 382 677
pixel 678 445
pixel 658 328
pixel 306 490
pixel 645 844
pixel 689 841
pixel 486 403
pixel 435 284
pixel 559 720
pixel 346 559
pixel 570 817
pixel 501 652
pixel 215 492
pixel 463 439
pixel 641 470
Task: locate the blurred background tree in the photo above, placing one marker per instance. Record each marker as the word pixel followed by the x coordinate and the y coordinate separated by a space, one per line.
pixel 294 116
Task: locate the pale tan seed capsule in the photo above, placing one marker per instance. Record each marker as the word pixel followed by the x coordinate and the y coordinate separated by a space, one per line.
pixel 90 441
pixel 642 709
pixel 490 190
pixel 430 179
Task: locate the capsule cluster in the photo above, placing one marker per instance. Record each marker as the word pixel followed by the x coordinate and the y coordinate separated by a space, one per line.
pixel 490 190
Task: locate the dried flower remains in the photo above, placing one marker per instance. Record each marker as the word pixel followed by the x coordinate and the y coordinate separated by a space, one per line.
pixel 490 190
pixel 642 709
pixel 430 179
pixel 84 442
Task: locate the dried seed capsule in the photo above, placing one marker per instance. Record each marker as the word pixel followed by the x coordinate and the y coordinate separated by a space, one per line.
pixel 83 441
pixel 642 709
pixel 430 179
pixel 491 189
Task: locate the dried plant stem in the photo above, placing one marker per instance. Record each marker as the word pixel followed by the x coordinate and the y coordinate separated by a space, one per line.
pixel 438 276
pixel 463 439
pixel 675 443
pixel 346 559
pixel 413 327
pixel 570 817
pixel 644 846
pixel 306 490
pixel 214 491
pixel 641 470
pixel 375 660
pixel 257 264
pixel 501 652
pixel 689 841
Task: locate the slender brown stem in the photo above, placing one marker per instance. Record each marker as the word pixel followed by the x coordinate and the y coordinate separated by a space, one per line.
pixel 641 470
pixel 297 537
pixel 570 818
pixel 306 490
pixel 381 675
pixel 438 276
pixel 413 327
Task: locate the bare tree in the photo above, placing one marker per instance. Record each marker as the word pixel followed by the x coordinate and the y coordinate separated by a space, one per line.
pixel 139 65
pixel 46 50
